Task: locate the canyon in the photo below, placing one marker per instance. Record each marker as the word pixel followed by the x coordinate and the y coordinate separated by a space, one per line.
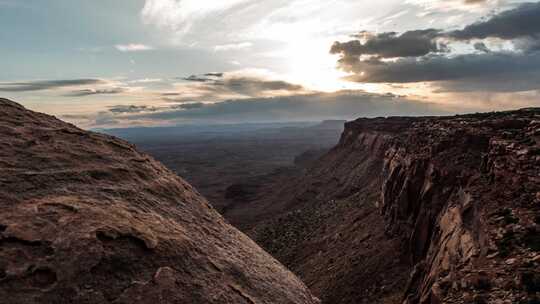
pixel 402 210
pixel 413 210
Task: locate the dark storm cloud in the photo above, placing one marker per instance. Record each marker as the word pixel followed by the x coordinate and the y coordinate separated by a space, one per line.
pixel 391 45
pixel 88 92
pixel 522 21
pixel 45 85
pixel 439 68
pixel 422 57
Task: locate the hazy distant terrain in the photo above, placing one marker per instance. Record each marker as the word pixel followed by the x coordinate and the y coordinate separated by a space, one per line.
pixel 212 158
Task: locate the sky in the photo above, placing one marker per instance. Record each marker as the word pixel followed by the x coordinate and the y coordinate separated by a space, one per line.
pixel 123 63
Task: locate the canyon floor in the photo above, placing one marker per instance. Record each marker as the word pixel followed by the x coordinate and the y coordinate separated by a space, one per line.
pixel 227 163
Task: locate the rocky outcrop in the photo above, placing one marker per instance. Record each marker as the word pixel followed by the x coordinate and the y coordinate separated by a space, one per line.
pixel 416 210
pixel 85 218
pixel 461 193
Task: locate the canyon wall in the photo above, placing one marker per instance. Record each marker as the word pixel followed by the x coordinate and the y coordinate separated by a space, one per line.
pixel 416 210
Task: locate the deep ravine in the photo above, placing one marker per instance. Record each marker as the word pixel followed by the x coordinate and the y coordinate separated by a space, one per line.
pixel 414 210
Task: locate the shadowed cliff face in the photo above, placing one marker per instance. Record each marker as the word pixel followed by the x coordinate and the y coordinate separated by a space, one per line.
pixel 462 195
pixel 85 218
pixel 415 210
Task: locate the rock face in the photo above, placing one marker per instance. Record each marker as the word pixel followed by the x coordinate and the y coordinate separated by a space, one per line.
pixel 416 210
pixel 85 218
pixel 462 195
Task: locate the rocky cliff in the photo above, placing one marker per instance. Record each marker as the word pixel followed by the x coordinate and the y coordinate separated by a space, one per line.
pixel 463 195
pixel 415 210
pixel 85 218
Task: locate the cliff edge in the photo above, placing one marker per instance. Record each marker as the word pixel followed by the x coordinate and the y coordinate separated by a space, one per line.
pixel 415 210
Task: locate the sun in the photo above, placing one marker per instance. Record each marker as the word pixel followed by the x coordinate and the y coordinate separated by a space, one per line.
pixel 309 63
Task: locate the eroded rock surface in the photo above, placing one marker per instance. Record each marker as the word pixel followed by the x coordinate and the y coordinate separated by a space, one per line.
pixel 85 218
pixel 415 210
pixel 462 195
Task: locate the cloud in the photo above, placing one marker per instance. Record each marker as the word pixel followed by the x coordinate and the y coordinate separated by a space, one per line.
pixel 274 22
pixel 452 5
pixel 522 21
pixel 391 44
pixel 438 68
pixel 315 106
pixel 233 46
pixel 88 92
pixel 426 57
pixel 231 85
pixel 122 109
pixel 190 106
pixel 302 107
pixel 182 16
pixel 133 47
pixel 254 86
pixel 214 74
pixel 196 78
pixel 480 46
pixel 521 81
pixel 146 80
pixel 105 118
pixel 46 84
pixel 207 77
pixel 347 104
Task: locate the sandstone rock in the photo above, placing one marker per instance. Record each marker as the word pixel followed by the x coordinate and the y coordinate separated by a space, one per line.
pixel 467 297
pixel 479 281
pixel 86 218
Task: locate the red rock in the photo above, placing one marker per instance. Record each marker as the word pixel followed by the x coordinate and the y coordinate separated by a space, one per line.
pixel 86 218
